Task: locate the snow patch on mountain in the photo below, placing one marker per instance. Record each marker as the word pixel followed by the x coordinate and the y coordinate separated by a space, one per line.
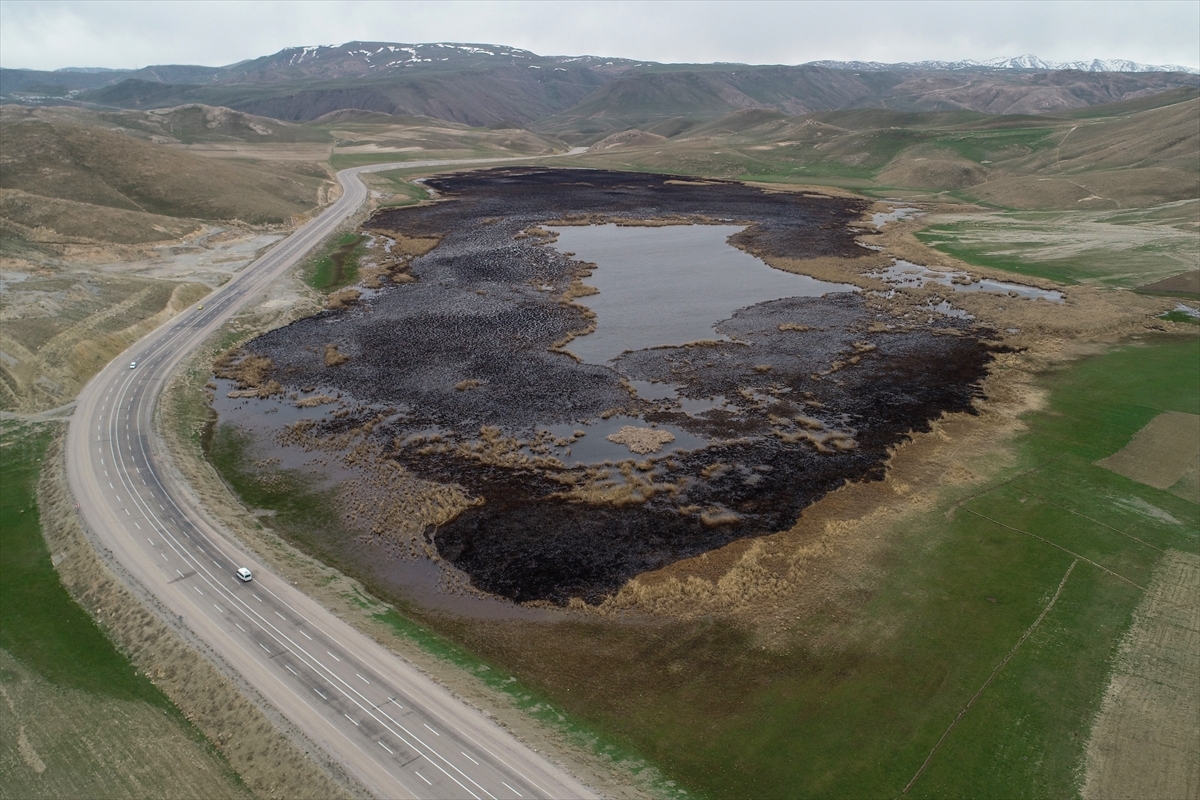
pixel 1025 62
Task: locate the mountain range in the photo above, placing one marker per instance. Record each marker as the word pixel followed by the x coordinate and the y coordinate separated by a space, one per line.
pixel 582 99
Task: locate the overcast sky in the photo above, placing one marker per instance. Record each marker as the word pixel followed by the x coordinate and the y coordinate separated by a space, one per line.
pixel 48 35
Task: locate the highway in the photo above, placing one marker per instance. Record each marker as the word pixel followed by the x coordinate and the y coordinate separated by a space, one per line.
pixel 394 729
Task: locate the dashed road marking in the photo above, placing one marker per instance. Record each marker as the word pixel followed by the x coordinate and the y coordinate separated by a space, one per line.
pixel 347 716
pixel 435 733
pixel 385 747
pixel 318 691
pixel 514 791
pixel 473 761
pixel 422 777
pixel 335 658
pixel 289 669
pixel 364 680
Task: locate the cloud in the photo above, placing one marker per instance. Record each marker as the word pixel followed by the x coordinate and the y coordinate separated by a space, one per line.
pixel 50 35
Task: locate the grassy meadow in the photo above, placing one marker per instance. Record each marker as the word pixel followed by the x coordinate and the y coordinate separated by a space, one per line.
pixel 80 720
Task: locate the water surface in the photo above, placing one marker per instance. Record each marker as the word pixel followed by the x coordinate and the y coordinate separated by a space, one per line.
pixel 670 285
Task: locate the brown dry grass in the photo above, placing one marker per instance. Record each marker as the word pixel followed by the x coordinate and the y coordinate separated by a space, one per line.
pixel 343 298
pixel 250 373
pixel 265 750
pixel 641 440
pixel 1145 741
pixel 333 356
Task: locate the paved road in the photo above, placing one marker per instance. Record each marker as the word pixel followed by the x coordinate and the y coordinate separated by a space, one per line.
pixel 395 730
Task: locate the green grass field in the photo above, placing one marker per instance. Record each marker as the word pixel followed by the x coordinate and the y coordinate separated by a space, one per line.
pixel 39 622
pixel 65 683
pixel 337 266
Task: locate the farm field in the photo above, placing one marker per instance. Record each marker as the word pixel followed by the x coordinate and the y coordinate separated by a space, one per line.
pixel 79 720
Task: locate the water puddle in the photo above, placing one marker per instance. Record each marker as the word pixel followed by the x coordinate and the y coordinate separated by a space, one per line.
pixel 670 285
pixel 906 273
pixel 883 218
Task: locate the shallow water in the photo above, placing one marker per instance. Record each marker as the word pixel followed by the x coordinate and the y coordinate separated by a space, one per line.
pixel 670 285
pixel 906 273
pixel 881 219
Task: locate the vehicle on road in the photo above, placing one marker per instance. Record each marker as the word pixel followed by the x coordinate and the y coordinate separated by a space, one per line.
pixel 200 306
pixel 133 365
pixel 244 575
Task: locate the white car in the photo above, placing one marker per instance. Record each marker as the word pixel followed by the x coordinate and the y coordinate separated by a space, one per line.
pixel 133 365
pixel 244 575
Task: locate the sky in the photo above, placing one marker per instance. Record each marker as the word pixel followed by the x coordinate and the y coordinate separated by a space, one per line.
pixel 50 35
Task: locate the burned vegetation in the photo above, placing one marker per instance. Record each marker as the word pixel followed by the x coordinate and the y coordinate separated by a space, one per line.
pixel 456 374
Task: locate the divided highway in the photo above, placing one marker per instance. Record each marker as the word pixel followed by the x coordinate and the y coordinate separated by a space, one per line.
pixel 395 730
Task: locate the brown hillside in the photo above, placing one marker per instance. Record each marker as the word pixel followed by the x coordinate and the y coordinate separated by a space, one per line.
pixel 100 167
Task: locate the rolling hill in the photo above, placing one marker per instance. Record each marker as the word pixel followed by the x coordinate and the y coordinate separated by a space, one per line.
pixel 582 99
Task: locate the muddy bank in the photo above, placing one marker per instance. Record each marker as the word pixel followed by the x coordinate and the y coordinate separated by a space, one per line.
pixel 455 375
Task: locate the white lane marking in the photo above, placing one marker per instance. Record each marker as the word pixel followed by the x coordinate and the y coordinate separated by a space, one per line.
pixel 347 716
pixel 318 691
pixel 364 680
pixel 240 628
pixel 160 507
pixel 139 527
pixel 127 512
pixel 180 573
pixel 281 616
pixel 289 669
pixel 335 658
pixel 422 777
pixel 256 597
pixel 164 555
pixel 306 636
pixel 110 483
pixel 514 791
pixel 222 611
pixel 149 540
pixel 264 647
pixel 435 733
pixel 106 473
pixel 197 588
pixel 473 761
pixel 118 499
pixel 385 747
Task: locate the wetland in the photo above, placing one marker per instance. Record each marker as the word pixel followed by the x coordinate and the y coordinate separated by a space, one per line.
pixel 561 379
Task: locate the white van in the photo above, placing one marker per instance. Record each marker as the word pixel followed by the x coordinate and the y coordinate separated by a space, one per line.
pixel 244 575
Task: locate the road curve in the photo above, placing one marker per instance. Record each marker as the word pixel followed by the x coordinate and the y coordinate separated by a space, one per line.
pixel 395 730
